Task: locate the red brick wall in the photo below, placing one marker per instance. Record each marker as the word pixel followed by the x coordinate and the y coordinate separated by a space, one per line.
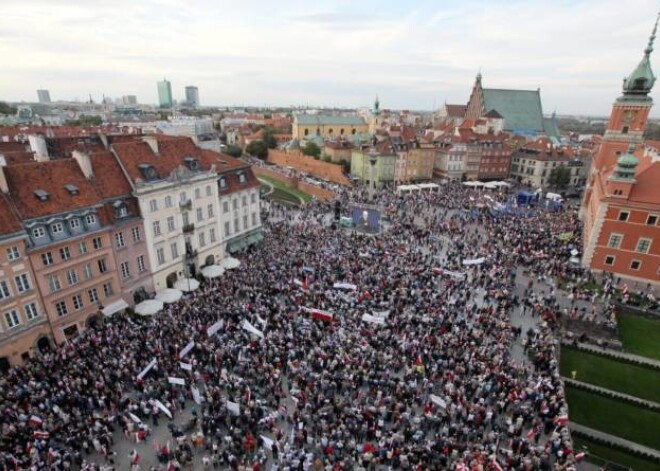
pixel 317 168
pixel 292 182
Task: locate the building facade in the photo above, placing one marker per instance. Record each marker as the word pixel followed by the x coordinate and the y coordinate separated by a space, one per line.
pixel 533 164
pixel 385 168
pixel 308 126
pixel 192 96
pixel 43 96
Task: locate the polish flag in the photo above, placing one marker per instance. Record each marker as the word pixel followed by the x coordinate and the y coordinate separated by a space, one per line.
pixel 437 271
pixel 305 285
pixel 135 457
pixel 40 435
pixel 419 361
pixel 321 315
pixel 580 456
pixel 530 434
pixel 561 419
pixel 461 467
pixel 35 421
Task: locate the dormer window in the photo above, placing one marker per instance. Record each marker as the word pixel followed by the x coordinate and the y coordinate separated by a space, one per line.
pixel 90 219
pixel 191 163
pixel 148 172
pixel 56 228
pixel 43 195
pixel 223 183
pixel 38 232
pixel 74 223
pixel 241 178
pixel 72 189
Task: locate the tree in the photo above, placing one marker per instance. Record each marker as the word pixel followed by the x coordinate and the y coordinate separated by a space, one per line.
pixel 87 121
pixel 346 164
pixel 234 151
pixel 327 158
pixel 257 149
pixel 6 109
pixel 559 177
pixel 312 149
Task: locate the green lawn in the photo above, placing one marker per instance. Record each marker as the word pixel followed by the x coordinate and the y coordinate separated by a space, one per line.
pixel 614 417
pixel 601 455
pixel 279 184
pixel 639 335
pixel 605 372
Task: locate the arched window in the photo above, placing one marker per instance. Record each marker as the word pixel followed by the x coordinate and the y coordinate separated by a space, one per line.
pixel 306 131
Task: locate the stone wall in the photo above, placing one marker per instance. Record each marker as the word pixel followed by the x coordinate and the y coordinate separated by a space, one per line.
pixel 309 165
pixel 293 182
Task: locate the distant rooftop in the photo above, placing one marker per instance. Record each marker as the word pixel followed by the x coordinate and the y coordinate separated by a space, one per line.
pixel 321 120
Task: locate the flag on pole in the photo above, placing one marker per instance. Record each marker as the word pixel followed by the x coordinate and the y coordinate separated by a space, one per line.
pixel 561 419
pixel 135 457
pixel 40 435
pixel 35 421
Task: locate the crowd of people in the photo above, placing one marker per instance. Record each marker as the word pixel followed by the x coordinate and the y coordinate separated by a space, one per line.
pixel 329 349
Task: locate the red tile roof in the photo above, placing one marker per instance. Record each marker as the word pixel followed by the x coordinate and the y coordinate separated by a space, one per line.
pixel 9 223
pixel 456 111
pixel 645 190
pixel 109 179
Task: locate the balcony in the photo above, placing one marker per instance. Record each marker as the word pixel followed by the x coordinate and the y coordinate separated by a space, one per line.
pixel 185 204
pixel 188 228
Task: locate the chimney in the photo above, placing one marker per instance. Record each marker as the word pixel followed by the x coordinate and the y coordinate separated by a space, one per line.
pixel 84 163
pixel 3 179
pixel 152 141
pixel 38 146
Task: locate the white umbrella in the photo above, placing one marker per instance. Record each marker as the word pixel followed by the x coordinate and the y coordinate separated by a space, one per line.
pixel 230 263
pixel 168 295
pixel 212 271
pixel 148 307
pixel 186 284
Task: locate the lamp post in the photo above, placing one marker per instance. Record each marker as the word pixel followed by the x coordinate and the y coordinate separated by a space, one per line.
pixel 373 159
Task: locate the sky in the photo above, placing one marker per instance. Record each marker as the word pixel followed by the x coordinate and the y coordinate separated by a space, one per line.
pixel 413 54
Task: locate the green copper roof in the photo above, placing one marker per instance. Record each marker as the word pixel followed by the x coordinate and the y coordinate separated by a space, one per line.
pixel 641 80
pixel 550 127
pixel 322 120
pixel 521 109
pixel 625 165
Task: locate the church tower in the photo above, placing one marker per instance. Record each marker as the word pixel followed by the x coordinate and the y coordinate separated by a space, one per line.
pixel 374 120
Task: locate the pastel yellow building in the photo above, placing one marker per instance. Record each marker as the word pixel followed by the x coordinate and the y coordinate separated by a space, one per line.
pixel 307 126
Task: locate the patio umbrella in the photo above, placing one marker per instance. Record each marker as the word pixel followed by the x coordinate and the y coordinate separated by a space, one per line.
pixel 230 263
pixel 186 284
pixel 168 295
pixel 148 307
pixel 212 271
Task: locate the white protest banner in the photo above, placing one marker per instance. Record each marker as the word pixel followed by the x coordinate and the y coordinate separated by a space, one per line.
pixel 196 395
pixel 373 319
pixel 261 321
pixel 252 329
pixel 382 314
pixel 473 261
pixel 268 442
pixel 179 381
pixel 151 364
pixel 134 418
pixel 234 408
pixel 437 400
pixel 348 286
pixel 211 331
pixel 454 274
pixel 187 349
pixel 162 407
pixel 185 366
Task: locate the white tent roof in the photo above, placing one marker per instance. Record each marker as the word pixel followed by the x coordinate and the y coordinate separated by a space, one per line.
pixel 117 306
pixel 230 263
pixel 212 271
pixel 168 295
pixel 148 307
pixel 186 284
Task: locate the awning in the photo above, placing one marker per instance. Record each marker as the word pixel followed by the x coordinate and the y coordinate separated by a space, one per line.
pixel 168 295
pixel 236 245
pixel 230 263
pixel 117 306
pixel 186 284
pixel 212 271
pixel 255 238
pixel 148 307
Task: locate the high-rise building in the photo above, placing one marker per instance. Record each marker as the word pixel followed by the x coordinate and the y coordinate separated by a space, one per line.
pixel 621 206
pixel 129 100
pixel 165 94
pixel 44 96
pixel 192 96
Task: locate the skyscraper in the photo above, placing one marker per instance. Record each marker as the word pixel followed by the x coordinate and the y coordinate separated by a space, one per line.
pixel 165 94
pixel 192 96
pixel 44 96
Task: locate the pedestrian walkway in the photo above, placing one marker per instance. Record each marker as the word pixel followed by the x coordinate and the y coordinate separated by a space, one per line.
pixel 610 392
pixel 606 437
pixel 616 354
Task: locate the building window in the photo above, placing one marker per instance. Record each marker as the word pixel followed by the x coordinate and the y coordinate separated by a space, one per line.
pixel 83 247
pixel 140 263
pixel 212 235
pixel 202 239
pixel 241 178
pixel 47 259
pixel 87 270
pixel 137 236
pixel 72 277
pixel 609 260
pixel 65 253
pixel 227 228
pixel 22 283
pixel 234 203
pixel 244 201
pixel 119 239
pixel 615 241
pixel 254 219
pixel 56 228
pixel 253 198
pixel 200 216
pixel 643 245
pixel 13 253
pixel 237 227
pixel 168 201
pixel 54 283
pixel 102 266
pixel 623 215
pixel 209 191
pixel 12 319
pixel 31 311
pixel 170 224
pixel 198 193
pixel 209 210
pixel 125 270
pixel 93 296
pixel 174 248
pixel 90 219
pixel 223 183
pixel 4 290
pixel 97 242
pixel 225 206
pixel 183 198
pixel 160 254
pixel 78 302
pixel 635 265
pixel 61 308
pixel 156 228
pixel 74 223
pixel 107 290
pixel 153 205
pixel 245 221
pixel 652 219
pixel 122 211
pixel 38 232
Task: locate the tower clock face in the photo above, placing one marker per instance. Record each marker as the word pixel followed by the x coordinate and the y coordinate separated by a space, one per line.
pixel 628 116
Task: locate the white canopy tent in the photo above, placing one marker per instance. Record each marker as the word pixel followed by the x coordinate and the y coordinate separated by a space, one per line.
pixel 186 284
pixel 428 186
pixel 148 307
pixel 117 306
pixel 212 271
pixel 230 263
pixel 473 183
pixel 168 295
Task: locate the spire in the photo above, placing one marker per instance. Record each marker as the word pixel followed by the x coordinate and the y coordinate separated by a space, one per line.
pixel 649 48
pixel 641 80
pixel 376 109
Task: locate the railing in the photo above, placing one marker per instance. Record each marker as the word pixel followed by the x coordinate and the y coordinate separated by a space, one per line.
pixel 190 227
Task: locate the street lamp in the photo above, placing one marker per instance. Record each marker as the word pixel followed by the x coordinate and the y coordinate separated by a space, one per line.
pixel 373 159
